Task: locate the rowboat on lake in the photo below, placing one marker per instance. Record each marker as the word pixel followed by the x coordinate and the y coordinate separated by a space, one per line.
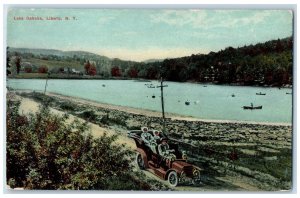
pixel 252 107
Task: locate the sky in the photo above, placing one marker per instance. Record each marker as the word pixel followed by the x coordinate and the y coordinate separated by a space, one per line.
pixel 142 34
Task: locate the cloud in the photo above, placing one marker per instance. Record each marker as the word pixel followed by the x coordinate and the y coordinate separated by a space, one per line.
pixel 207 19
pixel 234 21
pixel 180 17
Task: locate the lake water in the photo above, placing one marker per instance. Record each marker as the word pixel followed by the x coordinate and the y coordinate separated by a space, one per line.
pixel 206 101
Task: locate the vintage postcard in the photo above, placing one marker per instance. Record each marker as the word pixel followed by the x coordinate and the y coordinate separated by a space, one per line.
pixel 149 99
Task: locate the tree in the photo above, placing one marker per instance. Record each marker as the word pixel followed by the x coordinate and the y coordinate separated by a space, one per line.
pixel 18 64
pixel 90 68
pixel 132 72
pixel 28 69
pixel 43 69
pixel 115 71
pixel 87 67
pixel 8 72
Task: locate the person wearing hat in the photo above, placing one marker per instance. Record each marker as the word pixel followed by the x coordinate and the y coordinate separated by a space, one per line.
pixel 148 139
pixel 156 136
pixel 165 151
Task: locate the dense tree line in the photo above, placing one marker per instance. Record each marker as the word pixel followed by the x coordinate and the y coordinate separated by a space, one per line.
pixel 269 63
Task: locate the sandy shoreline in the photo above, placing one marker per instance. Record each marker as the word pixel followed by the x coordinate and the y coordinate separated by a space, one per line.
pixel 152 113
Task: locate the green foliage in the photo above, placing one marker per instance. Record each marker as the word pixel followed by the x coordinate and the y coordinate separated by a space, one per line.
pixel 44 152
pixel 269 63
pixel 39 97
pixel 67 106
pixel 264 63
pixel 89 115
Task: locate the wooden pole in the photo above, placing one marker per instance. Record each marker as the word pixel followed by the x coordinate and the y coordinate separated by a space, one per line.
pixel 162 98
pixel 162 102
pixel 46 83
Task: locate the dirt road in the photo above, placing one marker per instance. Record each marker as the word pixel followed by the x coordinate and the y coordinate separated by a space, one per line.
pixel 30 106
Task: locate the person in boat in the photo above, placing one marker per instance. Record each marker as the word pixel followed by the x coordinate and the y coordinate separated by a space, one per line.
pixel 165 151
pixel 148 138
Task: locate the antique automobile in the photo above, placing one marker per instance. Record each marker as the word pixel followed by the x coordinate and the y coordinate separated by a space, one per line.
pixel 175 171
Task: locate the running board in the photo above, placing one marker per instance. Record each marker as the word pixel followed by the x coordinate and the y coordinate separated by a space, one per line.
pixel 158 172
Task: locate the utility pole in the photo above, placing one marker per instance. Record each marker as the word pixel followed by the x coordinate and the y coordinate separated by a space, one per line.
pixel 46 83
pixel 162 101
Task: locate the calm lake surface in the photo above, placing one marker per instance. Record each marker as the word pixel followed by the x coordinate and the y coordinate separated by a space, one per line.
pixel 206 101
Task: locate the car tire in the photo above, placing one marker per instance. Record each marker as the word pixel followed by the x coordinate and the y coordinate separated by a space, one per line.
pixel 173 179
pixel 196 177
pixel 140 162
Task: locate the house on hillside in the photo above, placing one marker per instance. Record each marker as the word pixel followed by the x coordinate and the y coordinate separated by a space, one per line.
pixel 68 70
pixel 74 71
pixel 26 67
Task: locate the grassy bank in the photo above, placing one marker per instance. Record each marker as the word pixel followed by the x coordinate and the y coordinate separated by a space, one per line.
pixel 260 154
pixel 41 153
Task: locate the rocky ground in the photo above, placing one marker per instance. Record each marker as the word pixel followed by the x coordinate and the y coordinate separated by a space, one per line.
pixel 233 156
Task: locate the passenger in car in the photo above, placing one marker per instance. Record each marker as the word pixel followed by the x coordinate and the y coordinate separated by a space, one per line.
pixel 165 151
pixel 149 139
pixel 156 136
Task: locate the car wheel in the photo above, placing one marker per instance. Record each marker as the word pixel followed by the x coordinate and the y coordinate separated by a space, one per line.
pixel 196 177
pixel 140 161
pixel 173 178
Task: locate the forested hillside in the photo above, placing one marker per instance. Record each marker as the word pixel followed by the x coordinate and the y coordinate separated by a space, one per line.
pixel 269 63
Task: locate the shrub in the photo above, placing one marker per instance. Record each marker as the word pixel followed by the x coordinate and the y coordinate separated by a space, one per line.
pixel 43 69
pixel 89 115
pixel 133 73
pixel 28 69
pixel 90 69
pixel 115 71
pixel 46 152
pixel 67 106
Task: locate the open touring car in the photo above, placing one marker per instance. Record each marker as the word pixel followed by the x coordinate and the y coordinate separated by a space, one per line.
pixel 176 170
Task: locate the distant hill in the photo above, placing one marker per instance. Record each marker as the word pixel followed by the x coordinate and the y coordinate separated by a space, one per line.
pixel 268 64
pixel 47 52
pixel 153 60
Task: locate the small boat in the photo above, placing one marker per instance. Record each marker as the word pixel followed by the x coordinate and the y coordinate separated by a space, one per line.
pixel 153 96
pixel 151 86
pixel 252 107
pixel 232 95
pixel 204 85
pixel 103 85
pixel 261 94
pixel 187 102
pixel 288 93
